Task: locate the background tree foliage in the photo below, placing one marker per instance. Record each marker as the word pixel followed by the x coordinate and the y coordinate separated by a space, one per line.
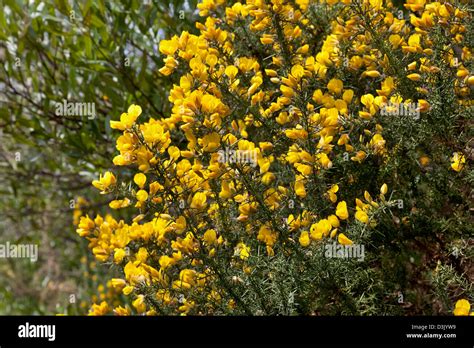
pixel 101 52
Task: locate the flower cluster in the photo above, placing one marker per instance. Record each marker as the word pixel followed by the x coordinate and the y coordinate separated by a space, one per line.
pixel 305 94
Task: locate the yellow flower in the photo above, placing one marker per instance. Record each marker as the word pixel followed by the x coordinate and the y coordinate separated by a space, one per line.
pixel 414 77
pixel 127 119
pixel 297 71
pixel 287 91
pixel 359 157
pixel 299 189
pixel 365 115
pixel 304 169
pixel 372 73
pixel 332 193
pixel 139 304
pixel 187 305
pixel 335 86
pixel 142 195
pixel 462 308
pixel 165 261
pixel 415 5
pixel 121 311
pixel 142 255
pixel 304 239
pixel 333 220
pixel 423 105
pixel 388 85
pixel 180 225
pixel 324 160
pixel 119 203
pixel 341 210
pixel 266 235
pixel 296 134
pixel 199 201
pixel 174 152
pixel 211 142
pixel 210 237
pixel 348 95
pixel 134 111
pixel 424 161
pixel 168 47
pixel 188 276
pixel 153 133
pixel 320 229
pixel 458 160
pixel 243 251
pixel 342 239
pixel 128 290
pixel 384 189
pixel 104 182
pixel 140 179
pixel 99 309
pixel 470 80
pixel 411 66
pixel 170 65
pixel 231 72
pixel 118 283
pixel 119 255
pixel 86 224
pixel 362 216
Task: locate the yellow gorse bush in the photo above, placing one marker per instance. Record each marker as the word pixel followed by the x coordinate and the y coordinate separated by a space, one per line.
pixel 301 95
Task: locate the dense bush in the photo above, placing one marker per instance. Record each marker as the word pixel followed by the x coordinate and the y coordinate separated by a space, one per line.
pixel 351 124
pixel 313 91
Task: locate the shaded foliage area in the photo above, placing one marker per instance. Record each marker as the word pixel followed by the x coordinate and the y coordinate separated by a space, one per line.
pixel 98 52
